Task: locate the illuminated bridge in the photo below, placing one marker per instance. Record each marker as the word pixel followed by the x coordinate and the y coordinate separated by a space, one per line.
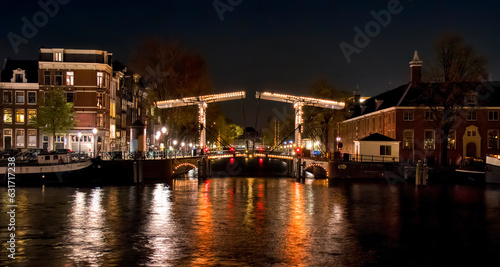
pixel 210 164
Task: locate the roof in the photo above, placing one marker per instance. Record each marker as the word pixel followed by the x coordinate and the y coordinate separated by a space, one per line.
pixel 29 66
pixel 409 95
pixel 378 137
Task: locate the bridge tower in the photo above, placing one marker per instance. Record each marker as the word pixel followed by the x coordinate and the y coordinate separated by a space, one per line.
pixel 298 103
pixel 202 102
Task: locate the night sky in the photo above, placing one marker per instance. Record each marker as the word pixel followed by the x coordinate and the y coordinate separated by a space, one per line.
pixel 269 45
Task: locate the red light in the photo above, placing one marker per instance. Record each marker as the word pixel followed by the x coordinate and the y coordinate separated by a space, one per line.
pixel 206 149
pixel 261 160
pixel 261 149
pixel 298 150
pixel 231 160
pixel 231 149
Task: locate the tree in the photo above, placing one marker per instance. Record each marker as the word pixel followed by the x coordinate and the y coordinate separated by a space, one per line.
pixel 171 71
pixel 321 120
pixel 455 61
pixel 455 74
pixel 55 116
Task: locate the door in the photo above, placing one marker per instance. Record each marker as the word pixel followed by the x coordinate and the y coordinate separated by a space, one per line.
pixel 471 150
pixel 7 141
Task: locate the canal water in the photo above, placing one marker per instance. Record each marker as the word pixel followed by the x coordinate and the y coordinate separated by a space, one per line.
pixel 255 222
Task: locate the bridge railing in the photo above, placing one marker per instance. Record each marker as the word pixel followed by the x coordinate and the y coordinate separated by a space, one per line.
pixel 370 158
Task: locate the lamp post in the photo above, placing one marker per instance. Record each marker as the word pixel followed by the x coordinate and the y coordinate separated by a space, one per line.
pixel 79 144
pixel 164 131
pixel 94 131
pixel 182 147
pixel 175 150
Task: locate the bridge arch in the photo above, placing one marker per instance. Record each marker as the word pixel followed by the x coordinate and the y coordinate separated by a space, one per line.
pixel 184 165
pixel 317 170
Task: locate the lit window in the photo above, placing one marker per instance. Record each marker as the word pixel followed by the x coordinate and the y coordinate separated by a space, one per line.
pixel 408 115
pixel 452 140
pixel 31 97
pixel 100 103
pixel 31 138
pixel 7 97
pixel 70 78
pixel 19 97
pixel 19 115
pixel 46 77
pixel 19 138
pixel 7 115
pixel 31 115
pixel 471 115
pixel 429 139
pixel 493 139
pixel 59 78
pixel 58 56
pixel 100 80
pixel 408 139
pixel 493 115
pixel 385 150
pixel 100 122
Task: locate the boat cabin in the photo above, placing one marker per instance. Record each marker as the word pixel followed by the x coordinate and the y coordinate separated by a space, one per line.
pixel 57 158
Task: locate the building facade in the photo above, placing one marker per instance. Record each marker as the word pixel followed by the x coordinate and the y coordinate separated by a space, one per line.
pixel 86 77
pixel 20 96
pixel 398 114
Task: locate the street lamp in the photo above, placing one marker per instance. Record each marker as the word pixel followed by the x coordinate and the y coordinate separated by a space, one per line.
pixel 94 131
pixel 175 149
pixel 164 131
pixel 79 144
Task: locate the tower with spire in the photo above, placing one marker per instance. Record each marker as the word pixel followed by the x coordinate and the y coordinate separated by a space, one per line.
pixel 416 69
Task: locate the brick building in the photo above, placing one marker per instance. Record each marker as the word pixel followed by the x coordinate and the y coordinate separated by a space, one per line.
pixel 19 92
pixel 398 114
pixel 85 76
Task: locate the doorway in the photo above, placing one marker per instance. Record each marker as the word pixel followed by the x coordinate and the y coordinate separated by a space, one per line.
pixel 471 150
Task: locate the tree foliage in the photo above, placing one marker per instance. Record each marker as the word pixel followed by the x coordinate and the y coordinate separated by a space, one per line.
pixel 456 73
pixel 455 61
pixel 321 121
pixel 171 71
pixel 55 116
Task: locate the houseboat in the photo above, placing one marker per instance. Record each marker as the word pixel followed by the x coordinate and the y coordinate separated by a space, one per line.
pixel 49 168
pixel 493 169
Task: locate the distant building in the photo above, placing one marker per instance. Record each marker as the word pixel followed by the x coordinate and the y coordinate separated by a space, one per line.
pixel 398 114
pixel 86 77
pixel 19 92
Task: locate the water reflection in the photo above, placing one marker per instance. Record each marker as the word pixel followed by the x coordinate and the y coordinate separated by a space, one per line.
pixel 86 223
pixel 254 222
pixel 160 227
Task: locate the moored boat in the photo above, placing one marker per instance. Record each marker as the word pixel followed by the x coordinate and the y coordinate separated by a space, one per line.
pixel 493 169
pixel 50 168
pixel 471 170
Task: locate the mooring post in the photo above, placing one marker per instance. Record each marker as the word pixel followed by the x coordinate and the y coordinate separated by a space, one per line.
pixel 425 174
pixel 418 174
pixel 135 171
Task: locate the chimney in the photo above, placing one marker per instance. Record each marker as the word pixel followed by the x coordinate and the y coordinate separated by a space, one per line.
pixel 357 98
pixel 416 69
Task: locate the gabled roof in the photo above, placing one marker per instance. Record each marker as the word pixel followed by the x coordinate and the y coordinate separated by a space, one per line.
pixel 29 66
pixel 409 95
pixel 377 137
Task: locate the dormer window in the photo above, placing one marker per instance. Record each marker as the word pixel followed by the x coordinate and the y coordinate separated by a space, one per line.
pixel 58 56
pixel 18 76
